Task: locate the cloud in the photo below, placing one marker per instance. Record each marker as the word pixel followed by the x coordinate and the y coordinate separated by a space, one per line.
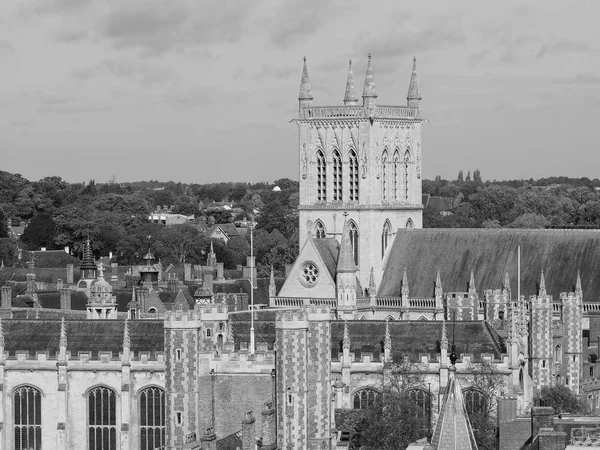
pixel 144 73
pixel 274 72
pixel 580 79
pixel 54 7
pixel 475 58
pixel 556 45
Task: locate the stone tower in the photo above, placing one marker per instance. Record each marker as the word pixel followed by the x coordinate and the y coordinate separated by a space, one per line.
pixel 303 379
pixel 364 160
pixel 541 357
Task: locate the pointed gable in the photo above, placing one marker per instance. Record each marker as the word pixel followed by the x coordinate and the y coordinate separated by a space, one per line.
pixel 323 254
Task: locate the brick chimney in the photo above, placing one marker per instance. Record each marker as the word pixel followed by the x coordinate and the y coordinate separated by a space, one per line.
pixel 6 296
pixel 142 297
pixel 30 284
pixel 209 440
pixel 269 432
pixel 541 417
pixel 69 273
pixel 551 440
pixel 248 432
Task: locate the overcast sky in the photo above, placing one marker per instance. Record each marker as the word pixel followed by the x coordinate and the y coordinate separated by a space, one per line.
pixel 203 91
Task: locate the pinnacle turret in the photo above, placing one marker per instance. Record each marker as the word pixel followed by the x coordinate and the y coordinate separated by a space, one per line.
pixel 372 286
pixel 414 94
pixel 350 97
pixel 272 286
pixel 438 285
pixel 63 334
pixel 126 338
pixel 542 292
pixel 506 286
pixel 472 288
pixel 444 340
pixel 405 291
pixel 305 96
pixel 578 289
pixel 346 338
pixel 369 90
pixel 345 261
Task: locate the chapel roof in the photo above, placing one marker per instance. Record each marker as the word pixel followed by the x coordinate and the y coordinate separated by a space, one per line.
pixel 491 253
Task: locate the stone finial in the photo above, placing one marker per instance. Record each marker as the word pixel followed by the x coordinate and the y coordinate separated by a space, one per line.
pixel 372 286
pixel 126 338
pixel 444 340
pixel 438 285
pixel 63 334
pixel 405 290
pixel 472 288
pixel 305 86
pixel 346 339
pixel 369 89
pixel 350 97
pixel 272 286
pixel 542 291
pixel 414 94
pixel 578 289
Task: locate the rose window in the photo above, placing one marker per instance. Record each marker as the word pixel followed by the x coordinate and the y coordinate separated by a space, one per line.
pixel 310 274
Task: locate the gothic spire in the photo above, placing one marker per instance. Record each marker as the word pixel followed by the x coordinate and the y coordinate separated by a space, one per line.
pixel 63 334
pixel 305 88
pixel 414 94
pixel 372 287
pixel 369 89
pixel 345 261
pixel 542 292
pixel 350 98
pixel 272 287
pixel 346 339
pixel 405 291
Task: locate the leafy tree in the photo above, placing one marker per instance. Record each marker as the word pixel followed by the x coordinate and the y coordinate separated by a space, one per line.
pixel 180 244
pixel 530 220
pixel 40 232
pixel 460 177
pixel 3 225
pixel 9 252
pixel 477 176
pixel 562 399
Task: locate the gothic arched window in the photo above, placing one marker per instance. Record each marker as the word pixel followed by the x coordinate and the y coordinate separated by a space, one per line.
pixel 385 234
pixel 558 354
pixel 321 177
pixel 406 174
pixel 422 401
pixel 152 418
pixel 337 176
pixel 384 175
pixel 28 418
pixel 365 398
pixel 396 175
pixel 319 230
pixel 102 419
pixel 476 401
pixel 354 240
pixel 353 175
pixel 409 224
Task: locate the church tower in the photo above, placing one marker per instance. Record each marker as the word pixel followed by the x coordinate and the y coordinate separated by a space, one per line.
pixel 363 160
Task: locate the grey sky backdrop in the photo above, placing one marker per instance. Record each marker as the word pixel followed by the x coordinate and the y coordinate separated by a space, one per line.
pixel 203 91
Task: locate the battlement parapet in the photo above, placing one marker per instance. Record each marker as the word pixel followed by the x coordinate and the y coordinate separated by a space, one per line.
pixel 182 319
pixel 319 313
pixel 212 311
pixel 296 319
pixel 98 356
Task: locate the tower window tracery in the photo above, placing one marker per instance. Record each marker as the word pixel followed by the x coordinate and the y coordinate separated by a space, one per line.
pixel 102 419
pixel 321 177
pixel 353 176
pixel 152 418
pixel 365 398
pixel 422 401
pixel 319 230
pixel 384 170
pixel 476 401
pixel 406 174
pixel 337 176
pixel 385 234
pixel 396 175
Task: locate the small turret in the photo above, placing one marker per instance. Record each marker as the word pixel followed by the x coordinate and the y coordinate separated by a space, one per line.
pixel 542 290
pixel 578 289
pixel 88 266
pixel 472 288
pixel 414 94
pixel 369 91
pixel 350 97
pixel 387 343
pixel 305 96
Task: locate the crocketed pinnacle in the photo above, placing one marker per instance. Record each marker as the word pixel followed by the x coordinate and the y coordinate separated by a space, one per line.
pixel 272 286
pixel 63 334
pixel 372 286
pixel 578 289
pixel 414 94
pixel 542 292
pixel 88 258
pixel 346 257
pixel 472 287
pixel 506 282
pixel 126 338
pixel 350 97
pixel 346 338
pixel 369 89
pixel 438 284
pixel 405 291
pixel 305 88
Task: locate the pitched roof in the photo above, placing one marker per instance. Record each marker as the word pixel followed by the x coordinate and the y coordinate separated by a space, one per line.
pixel 82 335
pixel 415 338
pixel 328 249
pixel 437 204
pixel 492 253
pixel 228 229
pixel 453 428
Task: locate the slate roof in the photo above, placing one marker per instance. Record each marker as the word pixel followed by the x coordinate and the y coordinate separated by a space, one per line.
pixel 82 335
pixel 51 299
pixel 491 253
pixel 414 338
pixel 328 248
pixel 229 229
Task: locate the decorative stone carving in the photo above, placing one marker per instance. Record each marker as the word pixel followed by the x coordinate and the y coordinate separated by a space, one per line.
pixel 364 162
pixel 377 166
pixel 304 161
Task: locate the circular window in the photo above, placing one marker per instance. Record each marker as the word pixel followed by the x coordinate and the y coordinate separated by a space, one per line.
pixel 309 274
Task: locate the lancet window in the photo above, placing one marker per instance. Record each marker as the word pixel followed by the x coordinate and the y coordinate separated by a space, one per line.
pixel 319 230
pixel 422 401
pixel 321 177
pixel 27 418
pixel 152 418
pixel 406 174
pixel 354 240
pixel 102 419
pixel 353 176
pixel 365 398
pixel 337 176
pixel 384 175
pixel 385 234
pixel 396 175
pixel 476 401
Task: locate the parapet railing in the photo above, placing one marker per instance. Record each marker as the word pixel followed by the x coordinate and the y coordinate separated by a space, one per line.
pixel 421 302
pixel 300 301
pixel 333 112
pixel 388 302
